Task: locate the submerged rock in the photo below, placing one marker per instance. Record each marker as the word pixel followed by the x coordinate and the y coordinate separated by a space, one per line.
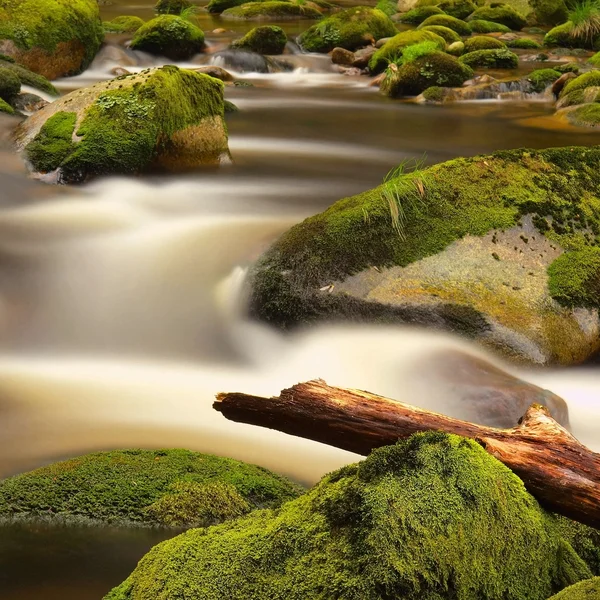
pixel 159 487
pixel 413 521
pixel 51 37
pixel 467 246
pixel 267 39
pixel 242 61
pixel 166 118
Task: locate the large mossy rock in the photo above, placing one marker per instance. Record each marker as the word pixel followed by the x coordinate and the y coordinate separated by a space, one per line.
pixel 51 37
pixel 159 487
pixel 160 119
pixel 491 59
pixel 465 246
pixel 562 35
pixel 430 518
pixel 501 13
pixel 584 590
pixel 271 10
pixel 350 29
pixel 268 39
pixel 170 36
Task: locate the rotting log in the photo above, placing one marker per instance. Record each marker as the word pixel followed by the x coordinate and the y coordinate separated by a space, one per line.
pixel 555 467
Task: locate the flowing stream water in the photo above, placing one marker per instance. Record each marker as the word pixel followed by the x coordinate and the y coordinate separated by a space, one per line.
pixel 121 303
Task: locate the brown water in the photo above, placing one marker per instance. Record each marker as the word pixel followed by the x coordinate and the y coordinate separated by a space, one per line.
pixel 121 312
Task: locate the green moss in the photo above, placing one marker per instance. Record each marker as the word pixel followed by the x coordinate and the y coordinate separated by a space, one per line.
pixel 54 143
pixel 589 79
pixel 542 78
pixel 549 12
pixel 350 29
pixel 503 14
pixel 449 35
pixel 268 39
pixel 491 59
pixel 389 7
pixel 27 77
pixel 145 486
pixel 124 24
pixel 562 36
pixel 429 518
pixel 46 23
pixel 460 9
pixel 461 27
pixel 434 94
pixel 469 196
pixel 392 49
pixel 585 590
pixel 434 69
pixel 456 48
pixel 417 15
pixel 524 44
pixel 6 108
pixel 584 540
pixel 169 36
pixel 587 115
pixel 595 60
pixel 567 68
pixel 482 26
pixel 172 7
pixel 257 11
pixel 482 42
pixel 10 84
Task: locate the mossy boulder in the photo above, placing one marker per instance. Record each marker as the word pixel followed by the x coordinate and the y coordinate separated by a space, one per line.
pixel 460 9
pixel 502 13
pixel 159 487
pixel 549 12
pixel 524 44
pixel 51 37
pixel 586 115
pixel 170 36
pixel 483 42
pixel 268 39
pixel 584 590
pixel 417 15
pixel 491 59
pixel 461 27
pixel 10 84
pixel 350 29
pixel 160 119
pixel 271 10
pixel 123 24
pixel 589 79
pixel 392 49
pixel 435 265
pixel 434 69
pixel 413 521
pixel 540 79
pixel 563 36
pixel 482 26
pixel 27 77
pixel 449 35
pixel 5 107
pixel 172 7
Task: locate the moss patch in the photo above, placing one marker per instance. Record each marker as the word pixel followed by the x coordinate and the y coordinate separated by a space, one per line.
pixel 585 590
pixel 450 36
pixel 461 27
pixel 482 26
pixel 10 84
pixel 172 7
pixel 434 94
pixel 124 24
pixel 171 487
pixel 460 9
pixel 6 108
pixel 491 59
pixel 542 78
pixel 417 15
pixel 483 42
pixel 589 79
pixel 54 143
pixel 424 519
pixel 350 29
pixel 27 77
pixel 268 39
pixel 503 14
pixel 574 277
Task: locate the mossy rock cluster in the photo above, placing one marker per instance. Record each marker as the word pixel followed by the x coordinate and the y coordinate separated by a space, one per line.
pixel 425 519
pixel 53 38
pixel 350 29
pixel 170 36
pixel 155 487
pixel 271 10
pixel 491 59
pixel 499 13
pixel 160 119
pixel 454 213
pixel 460 27
pixel 268 39
pixel 172 7
pixel 123 24
pixel 584 590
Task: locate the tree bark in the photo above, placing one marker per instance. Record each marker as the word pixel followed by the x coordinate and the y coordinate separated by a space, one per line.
pixel 555 467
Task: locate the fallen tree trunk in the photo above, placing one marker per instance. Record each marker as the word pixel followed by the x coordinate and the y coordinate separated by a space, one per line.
pixel 556 468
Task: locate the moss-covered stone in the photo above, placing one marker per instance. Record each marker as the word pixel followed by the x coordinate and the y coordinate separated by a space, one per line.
pixel 10 84
pixel 563 36
pixel 483 42
pixel 54 143
pixel 434 94
pixel 440 206
pixel 571 67
pixel 268 39
pixel 491 59
pixel 482 26
pixel 27 77
pixel 389 7
pixel 584 540
pixel 449 35
pixel 349 29
pixel 420 520
pixel 500 13
pixel 461 27
pixel 319 6
pixel 542 78
pixel 167 487
pixel 456 48
pixel 435 69
pixel 584 590
pixel 524 44
pixel 273 9
pixel 392 49
pixel 589 79
pixel 165 118
pixel 51 37
pixel 172 7
pixel 595 60
pixel 169 36
pixel 460 9
pixel 6 108
pixel 417 15
pixel 549 12
pixel 123 24
pixel 587 115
